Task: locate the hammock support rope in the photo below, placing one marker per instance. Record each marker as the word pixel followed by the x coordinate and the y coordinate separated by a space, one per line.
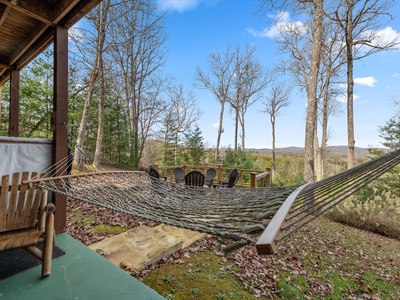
pixel 312 200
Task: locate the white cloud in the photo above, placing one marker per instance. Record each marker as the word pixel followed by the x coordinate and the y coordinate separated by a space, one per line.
pixel 76 34
pixel 215 125
pixel 396 75
pixel 383 37
pixel 343 98
pixel 283 23
pixel 367 81
pixel 183 5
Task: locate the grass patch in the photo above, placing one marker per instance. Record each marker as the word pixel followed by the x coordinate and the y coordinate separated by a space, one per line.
pixel 202 276
pixel 324 260
pixel 108 229
pixel 81 218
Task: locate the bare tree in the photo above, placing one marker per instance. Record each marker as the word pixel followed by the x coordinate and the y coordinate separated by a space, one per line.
pixel 101 13
pixel 315 8
pixel 360 21
pixel 99 19
pixel 250 79
pixel 180 114
pixel 330 73
pixel 138 50
pixel 296 40
pixel 151 111
pixel 221 70
pixel 277 99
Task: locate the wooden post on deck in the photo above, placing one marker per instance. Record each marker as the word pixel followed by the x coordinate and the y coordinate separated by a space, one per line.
pixel 60 107
pixel 219 173
pixel 13 129
pixel 268 178
pixel 253 179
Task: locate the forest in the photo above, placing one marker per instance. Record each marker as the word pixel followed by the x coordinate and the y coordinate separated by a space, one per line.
pixel 124 109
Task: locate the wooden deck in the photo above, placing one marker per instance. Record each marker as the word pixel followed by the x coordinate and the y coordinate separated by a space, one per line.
pixel 79 274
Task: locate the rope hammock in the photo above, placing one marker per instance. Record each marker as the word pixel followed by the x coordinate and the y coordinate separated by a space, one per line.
pixel 242 215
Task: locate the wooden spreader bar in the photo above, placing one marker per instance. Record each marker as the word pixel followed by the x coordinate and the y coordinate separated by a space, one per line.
pixel 38 180
pixel 266 244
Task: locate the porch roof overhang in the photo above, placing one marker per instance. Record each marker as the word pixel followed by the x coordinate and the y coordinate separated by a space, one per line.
pixel 27 28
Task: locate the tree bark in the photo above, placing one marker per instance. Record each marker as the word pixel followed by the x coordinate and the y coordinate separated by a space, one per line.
pixel 350 88
pixel 312 93
pixel 101 29
pixel 220 130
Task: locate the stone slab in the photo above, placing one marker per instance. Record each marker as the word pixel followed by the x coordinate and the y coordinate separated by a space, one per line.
pixel 143 246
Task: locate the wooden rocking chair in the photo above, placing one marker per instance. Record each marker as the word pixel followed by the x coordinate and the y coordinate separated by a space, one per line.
pixel 26 219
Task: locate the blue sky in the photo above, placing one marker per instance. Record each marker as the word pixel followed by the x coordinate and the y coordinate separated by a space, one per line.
pixel 198 28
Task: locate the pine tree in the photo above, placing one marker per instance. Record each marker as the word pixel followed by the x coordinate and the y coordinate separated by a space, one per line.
pixel 194 144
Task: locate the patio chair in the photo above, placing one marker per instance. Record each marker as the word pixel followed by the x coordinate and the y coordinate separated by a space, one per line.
pixel 154 173
pixel 26 219
pixel 195 178
pixel 210 177
pixel 233 178
pixel 179 175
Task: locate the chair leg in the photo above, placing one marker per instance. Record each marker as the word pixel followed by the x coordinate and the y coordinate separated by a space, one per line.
pixel 48 242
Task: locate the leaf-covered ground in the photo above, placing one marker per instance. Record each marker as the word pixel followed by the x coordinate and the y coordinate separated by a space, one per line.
pixel 323 260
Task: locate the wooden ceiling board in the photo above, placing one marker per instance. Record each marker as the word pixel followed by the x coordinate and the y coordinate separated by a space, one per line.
pixel 27 28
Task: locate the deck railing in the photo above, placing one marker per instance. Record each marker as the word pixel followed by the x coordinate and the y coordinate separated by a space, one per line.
pixel 248 178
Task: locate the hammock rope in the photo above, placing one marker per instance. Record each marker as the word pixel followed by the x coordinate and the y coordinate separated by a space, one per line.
pixel 237 214
pixel 315 199
pixel 230 213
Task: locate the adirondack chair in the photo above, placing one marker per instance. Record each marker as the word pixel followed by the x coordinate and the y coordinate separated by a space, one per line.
pixel 233 178
pixel 210 177
pixel 194 178
pixel 26 219
pixel 154 173
pixel 179 175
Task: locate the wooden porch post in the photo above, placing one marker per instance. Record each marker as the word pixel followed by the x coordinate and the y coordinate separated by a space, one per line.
pixel 13 129
pixel 60 107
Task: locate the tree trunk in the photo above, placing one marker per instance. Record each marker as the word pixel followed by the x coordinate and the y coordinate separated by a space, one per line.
pixel 102 15
pixel 84 120
pixel 312 93
pixel 350 89
pixel 273 148
pixel 220 130
pixel 243 134
pixel 236 127
pixel 318 157
pixel 99 141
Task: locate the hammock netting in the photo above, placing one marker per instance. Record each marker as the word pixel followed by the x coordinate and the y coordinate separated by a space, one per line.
pixel 236 214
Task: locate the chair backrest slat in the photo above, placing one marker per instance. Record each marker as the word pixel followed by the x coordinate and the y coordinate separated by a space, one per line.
pixel 35 207
pixel 19 204
pixel 195 178
pixel 12 201
pixel 21 201
pixel 3 202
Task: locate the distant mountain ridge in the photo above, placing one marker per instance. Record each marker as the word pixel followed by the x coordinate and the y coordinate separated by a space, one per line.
pixel 333 149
